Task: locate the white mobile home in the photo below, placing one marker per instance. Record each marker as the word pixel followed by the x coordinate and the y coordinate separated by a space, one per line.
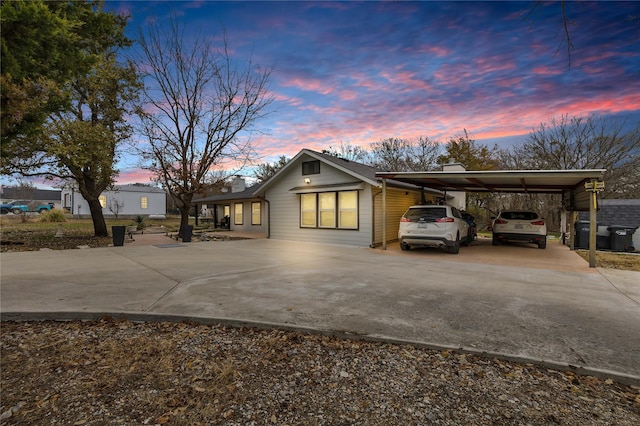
pixel 123 200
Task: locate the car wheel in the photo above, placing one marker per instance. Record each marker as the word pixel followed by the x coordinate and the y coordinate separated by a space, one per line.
pixel 404 247
pixel 542 245
pixel 455 248
pixel 4 211
pixel 495 241
pixel 16 211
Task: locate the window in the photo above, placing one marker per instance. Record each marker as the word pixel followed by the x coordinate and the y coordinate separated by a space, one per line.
pixel 144 202
pixel 348 213
pixel 238 214
pixel 334 210
pixel 327 204
pixel 310 167
pixel 308 210
pixel 256 214
pixel 103 201
pixel 227 211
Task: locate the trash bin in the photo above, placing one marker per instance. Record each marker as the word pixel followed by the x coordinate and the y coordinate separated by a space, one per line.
pixel 118 233
pixel 582 234
pixel 186 231
pixel 621 238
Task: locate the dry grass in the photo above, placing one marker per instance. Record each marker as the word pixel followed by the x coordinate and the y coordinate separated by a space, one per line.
pixel 27 233
pixel 614 260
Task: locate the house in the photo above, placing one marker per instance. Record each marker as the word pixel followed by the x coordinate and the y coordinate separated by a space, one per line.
pixel 238 210
pixel 38 196
pixel 322 198
pixel 122 200
pixel 617 212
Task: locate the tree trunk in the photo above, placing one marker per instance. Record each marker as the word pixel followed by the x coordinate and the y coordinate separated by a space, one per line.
pixel 99 225
pixel 184 218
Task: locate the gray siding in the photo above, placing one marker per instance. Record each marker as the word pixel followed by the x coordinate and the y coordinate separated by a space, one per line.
pixel 246 225
pixel 285 208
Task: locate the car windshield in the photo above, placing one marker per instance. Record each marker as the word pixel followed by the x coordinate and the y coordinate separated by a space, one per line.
pixel 519 215
pixel 426 215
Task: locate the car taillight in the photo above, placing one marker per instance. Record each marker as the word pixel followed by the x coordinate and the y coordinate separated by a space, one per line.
pixel 501 221
pixel 445 219
pixel 538 222
pixel 404 219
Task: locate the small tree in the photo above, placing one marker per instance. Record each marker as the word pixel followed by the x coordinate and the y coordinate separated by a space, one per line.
pixel 197 107
pixel 115 206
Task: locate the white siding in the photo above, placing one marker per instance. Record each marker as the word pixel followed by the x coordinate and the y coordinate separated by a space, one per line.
pixel 285 207
pixel 131 203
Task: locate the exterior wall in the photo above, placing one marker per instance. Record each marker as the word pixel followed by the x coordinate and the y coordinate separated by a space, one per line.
pixel 285 208
pixel 398 201
pixel 246 225
pixel 156 203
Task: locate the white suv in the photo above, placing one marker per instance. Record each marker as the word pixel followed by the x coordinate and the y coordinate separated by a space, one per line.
pixel 519 226
pixel 433 226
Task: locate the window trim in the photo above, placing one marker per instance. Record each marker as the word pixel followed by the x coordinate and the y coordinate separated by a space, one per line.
pixel 259 204
pixel 312 167
pixel 235 213
pixel 337 210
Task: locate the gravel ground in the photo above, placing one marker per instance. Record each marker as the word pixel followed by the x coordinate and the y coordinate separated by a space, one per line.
pixel 120 372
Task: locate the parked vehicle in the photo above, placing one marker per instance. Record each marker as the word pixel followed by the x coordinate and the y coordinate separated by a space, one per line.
pixel 23 206
pixel 519 226
pixel 434 226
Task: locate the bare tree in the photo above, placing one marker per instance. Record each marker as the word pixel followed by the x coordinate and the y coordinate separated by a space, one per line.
pixel 405 155
pixel 199 106
pixel 348 152
pixel 586 143
pixel 115 206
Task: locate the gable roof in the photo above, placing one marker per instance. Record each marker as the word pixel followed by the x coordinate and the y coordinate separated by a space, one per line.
pixel 359 171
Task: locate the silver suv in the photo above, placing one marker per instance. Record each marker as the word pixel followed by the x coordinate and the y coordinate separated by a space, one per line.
pixel 519 226
pixel 433 226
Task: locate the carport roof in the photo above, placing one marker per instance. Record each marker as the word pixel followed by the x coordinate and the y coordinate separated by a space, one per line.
pixel 514 181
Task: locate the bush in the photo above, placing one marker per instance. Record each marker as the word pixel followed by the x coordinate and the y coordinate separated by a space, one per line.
pixel 54 215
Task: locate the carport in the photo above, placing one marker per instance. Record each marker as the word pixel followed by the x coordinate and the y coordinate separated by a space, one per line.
pixel 578 188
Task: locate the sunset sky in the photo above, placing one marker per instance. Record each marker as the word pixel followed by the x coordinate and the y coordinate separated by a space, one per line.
pixel 357 72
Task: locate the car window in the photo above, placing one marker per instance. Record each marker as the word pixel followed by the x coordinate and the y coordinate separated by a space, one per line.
pixel 426 215
pixel 519 215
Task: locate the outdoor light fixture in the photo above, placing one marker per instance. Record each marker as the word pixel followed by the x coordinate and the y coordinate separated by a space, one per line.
pixel 307 180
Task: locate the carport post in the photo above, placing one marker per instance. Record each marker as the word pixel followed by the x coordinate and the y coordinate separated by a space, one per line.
pixel 384 213
pixel 592 226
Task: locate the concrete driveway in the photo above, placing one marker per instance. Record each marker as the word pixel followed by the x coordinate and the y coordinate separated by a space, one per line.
pixel 550 308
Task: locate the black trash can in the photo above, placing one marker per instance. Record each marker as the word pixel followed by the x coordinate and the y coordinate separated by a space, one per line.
pixel 118 233
pixel 582 234
pixel 621 238
pixel 186 231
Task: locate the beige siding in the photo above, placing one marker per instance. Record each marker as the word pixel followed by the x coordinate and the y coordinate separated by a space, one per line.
pixel 398 201
pixel 285 208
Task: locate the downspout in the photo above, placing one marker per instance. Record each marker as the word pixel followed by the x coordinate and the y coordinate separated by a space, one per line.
pixel 373 211
pixel 268 215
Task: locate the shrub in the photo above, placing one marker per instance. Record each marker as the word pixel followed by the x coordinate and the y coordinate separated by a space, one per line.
pixel 139 222
pixel 55 215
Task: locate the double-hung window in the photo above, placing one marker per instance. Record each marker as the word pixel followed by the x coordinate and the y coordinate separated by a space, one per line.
pixel 144 202
pixel 238 213
pixel 256 215
pixel 330 210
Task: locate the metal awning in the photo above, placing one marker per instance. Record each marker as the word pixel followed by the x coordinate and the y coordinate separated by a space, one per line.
pixel 513 181
pixel 569 183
